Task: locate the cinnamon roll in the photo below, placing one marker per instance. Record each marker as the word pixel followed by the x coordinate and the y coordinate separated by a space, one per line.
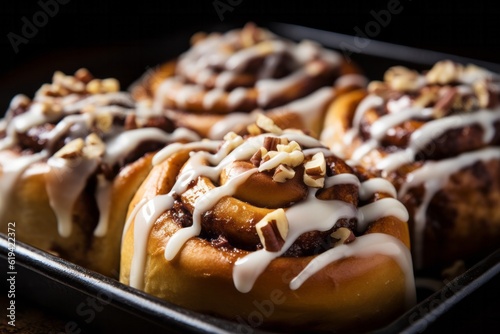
pixel 270 230
pixel 71 159
pixel 217 85
pixel 436 136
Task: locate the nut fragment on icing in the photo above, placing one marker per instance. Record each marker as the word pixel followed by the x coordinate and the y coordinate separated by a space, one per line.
pixel 315 171
pixel 71 150
pixel 401 78
pixel 444 72
pixel 343 236
pixel 268 125
pixel 273 230
pixel 283 173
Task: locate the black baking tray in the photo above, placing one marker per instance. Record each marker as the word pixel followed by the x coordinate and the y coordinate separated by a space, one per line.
pixel 469 302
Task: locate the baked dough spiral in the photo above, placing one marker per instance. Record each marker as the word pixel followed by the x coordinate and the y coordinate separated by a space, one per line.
pixel 435 135
pixel 275 219
pixel 217 84
pixel 70 161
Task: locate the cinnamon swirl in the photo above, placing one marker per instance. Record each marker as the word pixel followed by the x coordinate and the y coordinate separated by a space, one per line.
pixel 216 85
pixel 270 230
pixel 436 136
pixel 70 161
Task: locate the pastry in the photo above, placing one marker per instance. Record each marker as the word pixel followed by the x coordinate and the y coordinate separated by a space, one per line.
pixel 272 231
pixel 436 136
pixel 223 80
pixel 70 160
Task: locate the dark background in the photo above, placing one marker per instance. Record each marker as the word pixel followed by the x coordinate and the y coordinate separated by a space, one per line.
pixel 107 36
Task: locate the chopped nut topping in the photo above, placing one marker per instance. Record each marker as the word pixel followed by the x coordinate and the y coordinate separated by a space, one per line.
pixel 401 78
pixel 254 130
pixel 289 147
pixel 273 230
pixel 445 101
pixel 427 97
pixel 343 235
pixel 482 93
pixel 256 159
pixel 83 75
pixel 71 150
pixel 315 171
pixel 377 87
pixel 232 140
pixel 268 125
pixel 283 173
pixel 444 72
pixel 94 146
pixel 271 143
pixel 104 121
pixel 291 159
pixel 98 86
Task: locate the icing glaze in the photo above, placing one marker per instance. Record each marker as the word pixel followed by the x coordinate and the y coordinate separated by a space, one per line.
pixel 206 161
pixel 75 116
pixel 433 175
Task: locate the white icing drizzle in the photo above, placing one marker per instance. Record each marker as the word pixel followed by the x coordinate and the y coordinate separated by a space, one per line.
pixel 326 213
pixel 202 204
pixel 310 108
pixel 365 245
pixel 230 122
pixel 433 175
pixel 432 130
pixel 66 178
pixel 196 68
pixel 371 101
pixel 384 207
pixel 11 171
pixel 247 269
pixel 103 195
pixel 64 183
pixel 143 221
pixel 121 145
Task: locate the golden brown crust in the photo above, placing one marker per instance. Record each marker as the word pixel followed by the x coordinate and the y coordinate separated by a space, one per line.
pixel 460 219
pixel 29 206
pixel 206 99
pixel 200 276
pixel 69 173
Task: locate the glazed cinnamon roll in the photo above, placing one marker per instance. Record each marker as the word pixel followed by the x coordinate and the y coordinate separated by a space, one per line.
pixel 436 136
pixel 216 85
pixel 70 161
pixel 272 231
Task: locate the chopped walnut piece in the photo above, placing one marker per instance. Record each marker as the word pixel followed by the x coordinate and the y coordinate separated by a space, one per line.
pixel 104 121
pixel 401 78
pixel 98 86
pixel 315 171
pixel 256 158
pixel 71 150
pixel 273 230
pixel 445 101
pixel 343 236
pixel 94 146
pixel 83 75
pixel 482 93
pixel 267 124
pixel 283 173
pixel 271 143
pixel 444 72
pixel 254 130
